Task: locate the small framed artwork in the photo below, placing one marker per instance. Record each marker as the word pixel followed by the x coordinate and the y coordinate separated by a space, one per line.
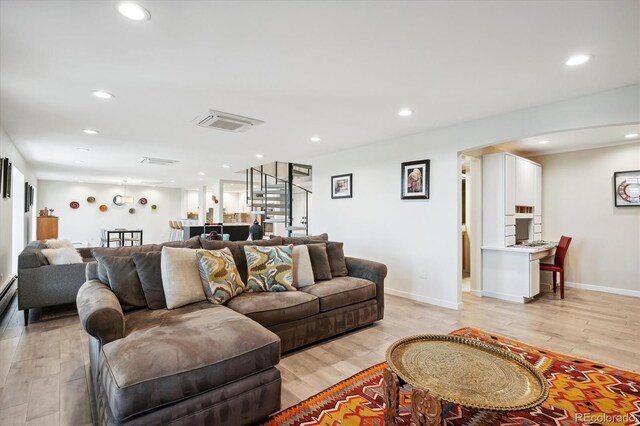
pixel 342 186
pixel 415 180
pixel 6 178
pixel 626 188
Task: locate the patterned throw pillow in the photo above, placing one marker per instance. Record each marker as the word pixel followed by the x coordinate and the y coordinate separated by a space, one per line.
pixel 269 268
pixel 220 278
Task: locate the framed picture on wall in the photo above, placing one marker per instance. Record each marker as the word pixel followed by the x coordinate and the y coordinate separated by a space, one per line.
pixel 342 186
pixel 6 178
pixel 415 180
pixel 626 188
pixel 2 177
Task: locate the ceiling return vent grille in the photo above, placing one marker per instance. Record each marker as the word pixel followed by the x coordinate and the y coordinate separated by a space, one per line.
pixel 157 161
pixel 228 122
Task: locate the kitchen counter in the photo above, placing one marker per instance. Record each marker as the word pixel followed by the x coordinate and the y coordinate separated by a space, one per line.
pixel 524 248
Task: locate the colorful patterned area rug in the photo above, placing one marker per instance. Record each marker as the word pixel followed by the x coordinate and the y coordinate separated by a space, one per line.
pixel 581 392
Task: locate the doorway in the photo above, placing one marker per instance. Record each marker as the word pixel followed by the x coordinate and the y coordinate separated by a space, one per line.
pixel 470 224
pixel 18 229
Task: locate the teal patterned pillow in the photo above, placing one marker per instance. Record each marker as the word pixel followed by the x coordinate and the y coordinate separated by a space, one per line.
pixel 220 278
pixel 270 268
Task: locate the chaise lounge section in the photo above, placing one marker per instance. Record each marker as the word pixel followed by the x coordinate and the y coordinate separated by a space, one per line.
pixel 212 364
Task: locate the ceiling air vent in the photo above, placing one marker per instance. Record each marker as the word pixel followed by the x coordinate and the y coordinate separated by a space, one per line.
pixel 227 122
pixel 157 161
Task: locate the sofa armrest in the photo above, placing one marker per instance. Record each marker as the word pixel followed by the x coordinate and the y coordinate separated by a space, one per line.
pixel 100 312
pixel 372 271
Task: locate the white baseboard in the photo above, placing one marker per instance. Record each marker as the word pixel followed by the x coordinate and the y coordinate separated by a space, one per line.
pixel 424 299
pixel 501 296
pixel 477 293
pixel 603 289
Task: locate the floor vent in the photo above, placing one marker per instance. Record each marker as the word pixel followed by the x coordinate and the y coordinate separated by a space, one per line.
pixel 228 122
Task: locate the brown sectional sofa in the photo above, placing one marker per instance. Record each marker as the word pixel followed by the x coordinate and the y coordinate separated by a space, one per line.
pixel 213 364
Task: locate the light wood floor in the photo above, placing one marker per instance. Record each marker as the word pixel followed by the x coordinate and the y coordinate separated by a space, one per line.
pixel 43 367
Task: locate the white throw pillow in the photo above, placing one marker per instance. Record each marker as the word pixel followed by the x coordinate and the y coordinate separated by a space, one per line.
pixel 302 270
pixel 180 277
pixel 56 244
pixel 62 256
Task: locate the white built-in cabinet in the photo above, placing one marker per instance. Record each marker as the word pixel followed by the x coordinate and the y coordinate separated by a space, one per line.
pixel 511 190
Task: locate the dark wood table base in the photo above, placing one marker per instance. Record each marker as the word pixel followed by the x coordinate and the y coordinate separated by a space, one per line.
pixel 426 409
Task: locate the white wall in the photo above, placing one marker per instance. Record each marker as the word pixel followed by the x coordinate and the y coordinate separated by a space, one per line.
pixel 83 225
pixel 578 201
pixel 8 149
pixel 422 238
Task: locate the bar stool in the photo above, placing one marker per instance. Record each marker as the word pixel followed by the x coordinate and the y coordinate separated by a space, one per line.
pixel 180 230
pixel 172 230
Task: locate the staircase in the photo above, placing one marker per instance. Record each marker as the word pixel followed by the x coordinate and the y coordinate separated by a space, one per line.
pixel 282 205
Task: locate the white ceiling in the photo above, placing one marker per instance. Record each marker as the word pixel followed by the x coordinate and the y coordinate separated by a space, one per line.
pixel 340 70
pixel 572 140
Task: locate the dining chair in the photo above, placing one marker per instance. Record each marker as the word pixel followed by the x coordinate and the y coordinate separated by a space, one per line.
pixel 558 263
pixel 104 241
pixel 134 241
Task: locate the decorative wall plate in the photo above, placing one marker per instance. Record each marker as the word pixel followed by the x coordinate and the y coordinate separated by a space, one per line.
pixel 115 200
pixel 103 208
pixel 91 200
pixel 626 187
pixel 74 204
pixel 142 201
pixel 132 210
pixel 154 207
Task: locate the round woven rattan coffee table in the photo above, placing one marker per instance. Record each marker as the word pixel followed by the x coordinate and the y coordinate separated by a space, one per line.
pixel 463 371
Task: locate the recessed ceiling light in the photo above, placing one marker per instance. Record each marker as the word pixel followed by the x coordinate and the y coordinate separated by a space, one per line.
pixel 405 112
pixel 543 142
pixel 78 162
pixel 226 166
pixel 577 60
pixel 83 149
pixel 631 135
pixel 315 139
pixel 172 181
pixel 201 173
pixel 133 11
pixel 102 94
pixel 259 156
pixel 81 181
pixel 90 131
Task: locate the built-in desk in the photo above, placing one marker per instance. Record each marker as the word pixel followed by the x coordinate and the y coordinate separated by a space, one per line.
pixel 513 273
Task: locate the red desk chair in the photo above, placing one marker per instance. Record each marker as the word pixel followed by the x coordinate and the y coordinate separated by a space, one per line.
pixel 558 263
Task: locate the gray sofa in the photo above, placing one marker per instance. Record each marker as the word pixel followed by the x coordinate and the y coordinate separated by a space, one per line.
pixel 41 284
pixel 212 364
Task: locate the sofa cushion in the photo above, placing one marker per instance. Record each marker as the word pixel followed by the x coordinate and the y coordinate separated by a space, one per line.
pixel 341 291
pixel 62 256
pixel 192 243
pixel 269 308
pixel 219 275
pixel 305 240
pixel 170 355
pixel 56 244
pixel 124 281
pixel 338 265
pixel 302 269
pixel 180 277
pixel 269 268
pixel 319 261
pixel 99 252
pixel 148 267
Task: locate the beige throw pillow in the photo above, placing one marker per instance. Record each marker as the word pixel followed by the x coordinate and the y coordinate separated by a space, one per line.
pixel 180 277
pixel 62 256
pixel 302 269
pixel 56 244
